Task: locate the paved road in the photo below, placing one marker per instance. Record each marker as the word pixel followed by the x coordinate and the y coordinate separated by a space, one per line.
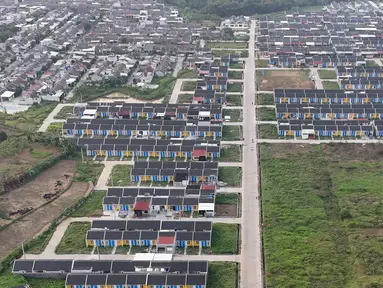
pixel 230 164
pixel 267 122
pixel 251 256
pixel 314 74
pixel 232 123
pixel 50 119
pixel 232 107
pixel 302 141
pixel 178 67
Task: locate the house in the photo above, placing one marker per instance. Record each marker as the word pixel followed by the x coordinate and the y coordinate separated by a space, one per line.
pixel 236 23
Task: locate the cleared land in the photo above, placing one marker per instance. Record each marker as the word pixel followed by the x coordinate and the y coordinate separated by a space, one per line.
pixel 231 133
pixel 185 98
pixel 326 74
pixel 235 74
pixel 189 85
pixel 120 175
pixel 219 53
pixel 371 63
pixel 284 79
pixel 73 241
pixel 268 131
pixel 232 176
pixel 229 45
pixel 266 114
pixel 235 114
pixel 231 153
pixel 234 87
pixel 330 85
pixel 322 204
pixel 234 100
pixel 265 99
pixel 226 205
pixel 222 275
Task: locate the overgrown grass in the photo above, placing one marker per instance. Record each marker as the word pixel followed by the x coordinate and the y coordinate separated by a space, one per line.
pixel 266 114
pixel 371 63
pixel 234 100
pixel 262 63
pixel 55 127
pixel 224 238
pixel 64 113
pixel 234 87
pixel 219 53
pixel 185 98
pixel 230 175
pixel 189 85
pixel 330 85
pixel 186 73
pixel 231 133
pixel 10 280
pixel 326 74
pixel 120 175
pixel 88 171
pixel 230 153
pixel 236 65
pixel 222 275
pixel 268 131
pixel 226 198
pixel 92 207
pixel 13 145
pixel 265 99
pixel 29 120
pixel 73 241
pixel 229 45
pixel 235 74
pixel 235 114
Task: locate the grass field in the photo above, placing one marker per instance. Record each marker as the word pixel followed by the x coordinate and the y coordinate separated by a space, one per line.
pixel 268 131
pixel 219 53
pixel 265 99
pixel 237 65
pixel 92 206
pixel 234 100
pixel 262 63
pixel 120 175
pixel 55 127
pixel 230 153
pixel 10 280
pixel 371 63
pixel 64 113
pixel 228 45
pixel 266 114
pixel 230 175
pixel 330 85
pixel 234 87
pixel 226 198
pixel 235 75
pixel 186 73
pixel 222 275
pixel 189 85
pixel 326 74
pixel 235 114
pixel 322 215
pixel 224 238
pixel 231 133
pixel 73 241
pixel 185 98
pixel 88 171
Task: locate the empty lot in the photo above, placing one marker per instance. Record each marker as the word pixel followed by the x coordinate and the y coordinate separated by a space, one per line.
pixel 284 79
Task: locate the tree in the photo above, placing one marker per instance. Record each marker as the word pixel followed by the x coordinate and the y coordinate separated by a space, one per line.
pixel 228 34
pixel 3 136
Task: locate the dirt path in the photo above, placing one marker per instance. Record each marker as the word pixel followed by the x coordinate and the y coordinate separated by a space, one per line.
pixel 32 224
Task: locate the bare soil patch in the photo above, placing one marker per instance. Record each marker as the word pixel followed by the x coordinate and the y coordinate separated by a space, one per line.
pixel 29 226
pixel 373 232
pixel 226 210
pixel 353 152
pixel 285 79
pixel 31 193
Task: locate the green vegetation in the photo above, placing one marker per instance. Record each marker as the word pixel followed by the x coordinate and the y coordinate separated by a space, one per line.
pixel 120 175
pixel 226 198
pixel 268 131
pixel 331 216
pixel 228 45
pixel 265 99
pixel 266 114
pixel 189 85
pixel 10 280
pixel 235 74
pixel 237 65
pixel 186 73
pixel 371 63
pixel 262 63
pixel 29 120
pixel 65 112
pixel 74 239
pixel 231 153
pixel 92 207
pixel 222 275
pixel 234 87
pixel 91 91
pixel 88 171
pixel 235 114
pixel 12 146
pixel 219 53
pixel 326 74
pixel 185 98
pixel 330 85
pixel 224 238
pixel 234 100
pixel 230 175
pixel 231 133
pixel 55 127
pixel 7 31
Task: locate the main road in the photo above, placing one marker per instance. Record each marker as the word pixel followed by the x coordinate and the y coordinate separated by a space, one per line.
pixel 251 256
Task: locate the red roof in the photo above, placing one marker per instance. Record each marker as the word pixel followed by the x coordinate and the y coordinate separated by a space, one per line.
pixel 165 240
pixel 198 153
pixel 198 99
pixel 207 187
pixel 142 206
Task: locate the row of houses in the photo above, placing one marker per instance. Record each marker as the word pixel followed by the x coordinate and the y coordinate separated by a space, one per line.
pixel 296 60
pixel 318 96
